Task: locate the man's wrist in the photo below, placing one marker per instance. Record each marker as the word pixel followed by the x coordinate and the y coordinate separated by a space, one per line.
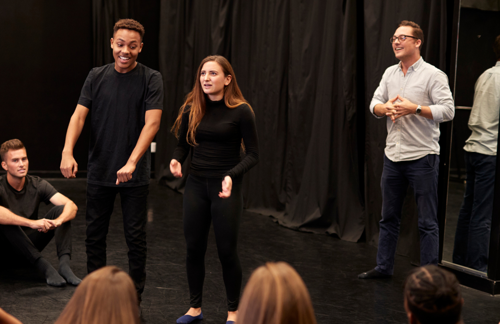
pixel 418 110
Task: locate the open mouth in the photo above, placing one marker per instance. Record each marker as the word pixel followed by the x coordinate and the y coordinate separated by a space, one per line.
pixel 124 59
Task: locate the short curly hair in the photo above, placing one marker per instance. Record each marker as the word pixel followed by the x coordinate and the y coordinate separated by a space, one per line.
pixel 13 144
pixel 129 24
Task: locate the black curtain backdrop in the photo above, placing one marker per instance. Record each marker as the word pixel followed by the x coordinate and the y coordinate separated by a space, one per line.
pixel 46 57
pixel 309 70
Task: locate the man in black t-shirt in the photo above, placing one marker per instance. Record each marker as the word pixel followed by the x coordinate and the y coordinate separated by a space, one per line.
pixel 125 101
pixel 20 197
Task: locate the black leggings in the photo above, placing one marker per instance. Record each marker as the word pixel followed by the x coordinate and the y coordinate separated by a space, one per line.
pixel 202 205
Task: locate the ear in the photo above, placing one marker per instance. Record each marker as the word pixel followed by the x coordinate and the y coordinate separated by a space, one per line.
pixel 228 80
pixel 4 165
pixel 140 48
pixel 111 42
pixel 418 43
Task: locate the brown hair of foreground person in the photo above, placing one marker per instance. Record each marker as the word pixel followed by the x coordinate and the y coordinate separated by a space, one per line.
pixel 275 294
pixel 432 295
pixel 105 296
pixel 7 318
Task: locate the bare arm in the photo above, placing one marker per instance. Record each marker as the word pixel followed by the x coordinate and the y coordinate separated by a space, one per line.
pixel 9 218
pixel 69 211
pixel 151 127
pixel 69 167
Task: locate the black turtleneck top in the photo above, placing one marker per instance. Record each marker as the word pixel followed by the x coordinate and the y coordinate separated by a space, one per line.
pixel 219 136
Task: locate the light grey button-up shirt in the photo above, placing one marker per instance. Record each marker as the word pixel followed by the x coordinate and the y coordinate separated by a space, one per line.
pixel 412 137
pixel 483 120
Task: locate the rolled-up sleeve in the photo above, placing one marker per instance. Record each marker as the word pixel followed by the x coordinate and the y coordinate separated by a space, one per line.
pixel 380 96
pixel 443 107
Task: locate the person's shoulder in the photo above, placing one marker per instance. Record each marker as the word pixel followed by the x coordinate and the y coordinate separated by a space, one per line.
pixel 147 70
pixel 103 69
pixel 34 180
pixel 431 68
pixel 392 68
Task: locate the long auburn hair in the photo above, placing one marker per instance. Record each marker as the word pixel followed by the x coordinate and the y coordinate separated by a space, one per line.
pixel 106 296
pixel 275 294
pixel 196 101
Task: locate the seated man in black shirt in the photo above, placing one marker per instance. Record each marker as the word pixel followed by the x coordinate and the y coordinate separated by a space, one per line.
pixel 20 197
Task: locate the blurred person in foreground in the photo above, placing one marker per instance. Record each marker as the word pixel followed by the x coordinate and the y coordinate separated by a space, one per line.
pixel 432 295
pixel 7 318
pixel 275 293
pixel 106 296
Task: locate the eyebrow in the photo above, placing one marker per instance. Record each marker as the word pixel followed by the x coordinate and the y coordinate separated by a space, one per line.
pixel 133 41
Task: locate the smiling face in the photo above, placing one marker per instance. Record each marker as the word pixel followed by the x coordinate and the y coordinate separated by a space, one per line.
pixel 126 45
pixel 213 80
pixel 16 163
pixel 409 49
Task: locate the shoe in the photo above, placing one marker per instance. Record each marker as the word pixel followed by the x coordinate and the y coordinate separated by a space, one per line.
pixel 373 274
pixel 185 319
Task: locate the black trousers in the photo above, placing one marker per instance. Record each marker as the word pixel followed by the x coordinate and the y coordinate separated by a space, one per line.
pixel 202 206
pixel 29 242
pixel 100 202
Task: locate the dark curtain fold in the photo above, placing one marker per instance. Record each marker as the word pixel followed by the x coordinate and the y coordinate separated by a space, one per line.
pixel 104 15
pixel 309 70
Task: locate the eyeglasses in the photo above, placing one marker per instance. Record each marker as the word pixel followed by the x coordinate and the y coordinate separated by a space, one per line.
pixel 401 38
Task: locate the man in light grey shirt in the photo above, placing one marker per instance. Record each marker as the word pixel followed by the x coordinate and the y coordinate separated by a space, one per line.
pixel 414 97
pixel 474 220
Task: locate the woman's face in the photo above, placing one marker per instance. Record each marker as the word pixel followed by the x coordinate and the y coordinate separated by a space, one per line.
pixel 213 81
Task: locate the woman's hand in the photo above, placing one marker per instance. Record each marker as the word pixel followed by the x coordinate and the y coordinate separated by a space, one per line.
pixel 176 168
pixel 227 185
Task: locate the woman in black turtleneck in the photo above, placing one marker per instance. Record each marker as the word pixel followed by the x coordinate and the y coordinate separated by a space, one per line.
pixel 215 122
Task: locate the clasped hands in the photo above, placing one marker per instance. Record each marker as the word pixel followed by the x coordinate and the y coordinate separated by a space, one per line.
pixel 227 183
pixel 398 107
pixel 44 225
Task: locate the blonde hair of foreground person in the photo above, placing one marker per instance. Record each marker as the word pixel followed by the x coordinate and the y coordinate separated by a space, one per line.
pixel 105 296
pixel 276 294
pixel 6 318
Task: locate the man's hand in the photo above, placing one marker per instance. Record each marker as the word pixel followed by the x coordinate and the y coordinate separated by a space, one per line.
pixel 176 168
pixel 54 223
pixel 386 109
pixel 227 185
pixel 125 173
pixel 69 167
pixel 403 107
pixel 42 225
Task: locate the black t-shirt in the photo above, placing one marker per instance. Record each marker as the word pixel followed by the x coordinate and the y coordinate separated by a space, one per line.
pixel 118 103
pixel 219 136
pixel 26 202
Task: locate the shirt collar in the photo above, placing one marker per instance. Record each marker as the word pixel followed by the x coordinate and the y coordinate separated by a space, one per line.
pixel 415 65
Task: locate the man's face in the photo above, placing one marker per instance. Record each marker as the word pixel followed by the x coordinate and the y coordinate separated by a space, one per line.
pixel 16 163
pixel 407 48
pixel 126 46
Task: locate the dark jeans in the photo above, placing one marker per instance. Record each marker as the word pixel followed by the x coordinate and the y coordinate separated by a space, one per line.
pixel 202 206
pixel 422 175
pixel 472 237
pixel 29 242
pixel 100 202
